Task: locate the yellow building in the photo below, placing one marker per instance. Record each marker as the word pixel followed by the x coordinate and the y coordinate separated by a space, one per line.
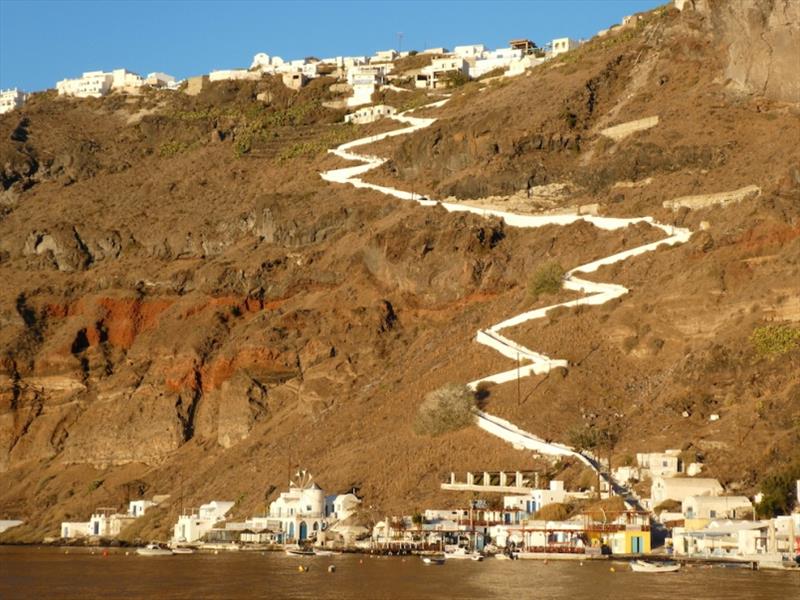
pixel 629 541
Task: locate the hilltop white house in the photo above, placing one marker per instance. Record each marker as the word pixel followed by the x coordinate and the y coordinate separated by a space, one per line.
pixel 680 488
pixel 11 99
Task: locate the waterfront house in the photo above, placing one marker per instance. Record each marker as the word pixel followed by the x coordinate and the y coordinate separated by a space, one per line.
pixel 341 506
pixel 519 507
pixel 699 510
pixel 769 543
pixel 680 488
pixel 71 530
pixel 11 99
pixel 300 511
pixel 193 526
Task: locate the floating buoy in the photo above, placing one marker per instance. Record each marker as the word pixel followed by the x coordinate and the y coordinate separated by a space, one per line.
pixel 613 570
pixel 300 568
pixel 581 563
pixel 216 551
pixel 105 552
pixel 331 568
pixel 545 561
pixel 127 553
pixel 361 561
pixel 66 551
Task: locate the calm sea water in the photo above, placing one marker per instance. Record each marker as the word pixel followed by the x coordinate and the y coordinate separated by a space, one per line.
pixel 32 572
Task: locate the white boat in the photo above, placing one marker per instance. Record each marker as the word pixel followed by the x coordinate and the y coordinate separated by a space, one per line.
pixel 297 551
pixel 462 554
pixel 433 560
pixel 325 552
pixel 180 550
pixel 641 566
pixel 153 550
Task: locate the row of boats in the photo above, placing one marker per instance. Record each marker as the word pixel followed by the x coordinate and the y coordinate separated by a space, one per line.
pixel 639 566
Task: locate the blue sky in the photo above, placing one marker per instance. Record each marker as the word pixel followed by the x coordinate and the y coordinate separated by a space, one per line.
pixel 43 41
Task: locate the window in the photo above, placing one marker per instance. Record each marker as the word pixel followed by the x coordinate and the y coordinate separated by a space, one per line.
pixel 712 514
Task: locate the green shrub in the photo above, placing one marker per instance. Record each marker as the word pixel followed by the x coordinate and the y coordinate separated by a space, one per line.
pixel 779 491
pixel 546 280
pixel 172 148
pixel 95 484
pixel 774 340
pixel 447 409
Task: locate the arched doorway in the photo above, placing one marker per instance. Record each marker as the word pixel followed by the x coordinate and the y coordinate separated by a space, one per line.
pixel 303 530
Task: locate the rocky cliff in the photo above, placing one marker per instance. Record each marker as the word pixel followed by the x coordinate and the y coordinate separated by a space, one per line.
pixel 188 308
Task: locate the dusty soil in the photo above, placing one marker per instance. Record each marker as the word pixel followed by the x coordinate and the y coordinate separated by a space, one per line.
pixel 187 308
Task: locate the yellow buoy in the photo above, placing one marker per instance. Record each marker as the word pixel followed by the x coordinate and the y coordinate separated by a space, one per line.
pixel 613 570
pixel 331 568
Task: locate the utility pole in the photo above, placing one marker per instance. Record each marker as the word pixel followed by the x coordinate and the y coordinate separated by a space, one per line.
pixel 399 41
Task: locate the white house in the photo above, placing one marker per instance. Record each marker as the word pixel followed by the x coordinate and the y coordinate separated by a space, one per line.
pixel 561 45
pixel 160 80
pixel 470 51
pixel 193 527
pixel 74 530
pixel 716 507
pixel 343 506
pixel 11 99
pixel 265 63
pixel 370 114
pixel 435 51
pixel 92 84
pixel 436 74
pixel 536 499
pixel 518 67
pixel 300 511
pixel 680 488
pixel 382 56
pixel 233 74
pixel 122 79
pixel 502 58
pixel 107 524
pixel 365 79
pixel 137 508
pixel 660 464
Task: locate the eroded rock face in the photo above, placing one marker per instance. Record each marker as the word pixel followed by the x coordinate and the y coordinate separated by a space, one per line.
pixel 763 44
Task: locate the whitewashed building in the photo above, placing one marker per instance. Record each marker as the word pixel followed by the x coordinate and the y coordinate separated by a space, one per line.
pixel 436 75
pixel 71 530
pixel 529 504
pixel 384 56
pixel 660 464
pixel 502 58
pixel 160 80
pixel 300 511
pixel 716 507
pixel 124 80
pixel 192 527
pixel 562 45
pixel 370 114
pixel 470 51
pixel 234 74
pixel 343 506
pixel 680 488
pixel 92 84
pixel 11 99
pixel 265 63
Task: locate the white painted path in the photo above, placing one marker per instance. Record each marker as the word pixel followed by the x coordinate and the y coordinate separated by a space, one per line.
pixel 595 293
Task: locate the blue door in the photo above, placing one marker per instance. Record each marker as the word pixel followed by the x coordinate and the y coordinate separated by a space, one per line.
pixel 636 544
pixel 291 531
pixel 97 527
pixel 303 530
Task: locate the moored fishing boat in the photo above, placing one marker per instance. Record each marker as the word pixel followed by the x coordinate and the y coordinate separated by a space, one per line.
pixel 641 566
pixel 433 560
pixel 153 550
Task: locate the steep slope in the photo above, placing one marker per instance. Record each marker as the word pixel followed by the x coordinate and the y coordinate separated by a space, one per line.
pixel 189 308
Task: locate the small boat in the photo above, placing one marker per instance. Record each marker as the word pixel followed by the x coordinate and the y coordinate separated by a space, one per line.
pixel 297 551
pixel 462 554
pixel 181 550
pixel 325 552
pixel 433 560
pixel 641 566
pixel 153 550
